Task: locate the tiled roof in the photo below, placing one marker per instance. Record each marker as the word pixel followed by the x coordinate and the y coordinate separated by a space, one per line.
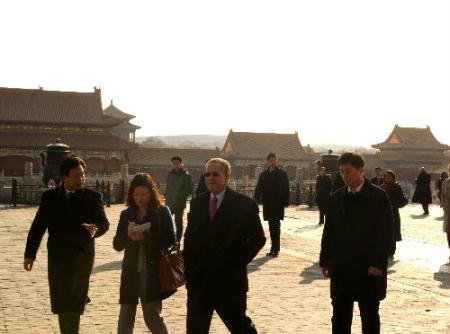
pixel 253 145
pixel 411 138
pixel 115 112
pixel 50 107
pixel 88 140
pixel 125 126
pixel 149 156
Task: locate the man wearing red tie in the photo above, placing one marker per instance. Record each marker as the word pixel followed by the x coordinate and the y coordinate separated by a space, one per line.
pixel 223 235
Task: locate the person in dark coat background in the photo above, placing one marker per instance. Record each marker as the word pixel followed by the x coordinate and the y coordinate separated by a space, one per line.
pixel 338 182
pixel 201 186
pixel 398 200
pixel 354 249
pixel 378 179
pixel 439 182
pixel 223 235
pixel 179 187
pixel 272 190
pixel 145 229
pixel 74 217
pixel 323 192
pixel 422 193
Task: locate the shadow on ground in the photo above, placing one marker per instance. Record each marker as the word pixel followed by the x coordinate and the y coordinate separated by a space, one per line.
pixel 443 276
pixel 311 274
pixel 114 265
pixel 256 264
pixel 419 216
pixel 308 228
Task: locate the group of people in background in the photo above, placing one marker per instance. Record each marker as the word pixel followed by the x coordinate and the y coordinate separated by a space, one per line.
pixel 224 233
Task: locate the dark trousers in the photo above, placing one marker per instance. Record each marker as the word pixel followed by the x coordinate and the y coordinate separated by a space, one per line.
pixel 274 229
pixel 151 310
pixel 178 215
pixel 343 314
pixel 425 207
pixel 69 322
pixel 392 248
pixel 230 307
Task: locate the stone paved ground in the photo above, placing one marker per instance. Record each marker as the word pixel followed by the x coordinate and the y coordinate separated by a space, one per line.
pixel 287 294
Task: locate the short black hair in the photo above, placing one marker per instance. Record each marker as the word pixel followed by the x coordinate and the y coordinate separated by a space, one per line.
pixel 176 158
pixel 70 163
pixel 378 168
pixel 356 160
pixel 271 155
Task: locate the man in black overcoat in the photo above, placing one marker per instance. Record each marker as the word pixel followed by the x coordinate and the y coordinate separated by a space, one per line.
pixel 323 192
pixel 223 235
pixel 355 245
pixel 422 193
pixel 74 217
pixel 378 179
pixel 272 190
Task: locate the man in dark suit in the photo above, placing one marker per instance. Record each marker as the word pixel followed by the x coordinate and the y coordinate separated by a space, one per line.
pixel 272 190
pixel 73 216
pixel 355 244
pixel 378 179
pixel 422 193
pixel 223 235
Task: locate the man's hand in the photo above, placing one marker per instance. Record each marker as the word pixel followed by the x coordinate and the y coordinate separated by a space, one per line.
pixel 326 272
pixel 91 228
pixel 374 271
pixel 28 264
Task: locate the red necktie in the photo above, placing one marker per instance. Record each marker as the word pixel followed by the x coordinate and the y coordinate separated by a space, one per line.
pixel 212 207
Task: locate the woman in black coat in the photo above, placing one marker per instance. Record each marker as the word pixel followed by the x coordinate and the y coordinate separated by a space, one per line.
pixel 323 192
pixel 398 200
pixel 145 229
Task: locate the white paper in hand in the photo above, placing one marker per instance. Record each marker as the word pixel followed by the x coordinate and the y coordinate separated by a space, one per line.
pixel 141 227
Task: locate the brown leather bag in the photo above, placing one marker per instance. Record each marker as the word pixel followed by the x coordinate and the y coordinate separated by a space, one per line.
pixel 171 267
pixel 172 270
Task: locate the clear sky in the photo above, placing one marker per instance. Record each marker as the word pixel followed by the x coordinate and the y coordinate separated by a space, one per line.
pixel 335 71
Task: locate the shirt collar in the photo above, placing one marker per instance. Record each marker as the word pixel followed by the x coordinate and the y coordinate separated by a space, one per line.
pixel 358 189
pixel 220 196
pixel 67 191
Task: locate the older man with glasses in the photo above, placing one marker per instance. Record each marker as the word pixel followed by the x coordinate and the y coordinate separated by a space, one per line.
pixel 223 235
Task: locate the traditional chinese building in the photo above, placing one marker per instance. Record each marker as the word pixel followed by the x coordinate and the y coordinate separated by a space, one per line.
pixel 407 149
pixel 124 129
pixel 32 118
pixel 248 150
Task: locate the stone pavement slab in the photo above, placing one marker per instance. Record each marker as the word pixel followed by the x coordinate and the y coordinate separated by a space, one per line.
pixel 287 294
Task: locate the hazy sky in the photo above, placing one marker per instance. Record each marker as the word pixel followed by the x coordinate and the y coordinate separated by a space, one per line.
pixel 335 71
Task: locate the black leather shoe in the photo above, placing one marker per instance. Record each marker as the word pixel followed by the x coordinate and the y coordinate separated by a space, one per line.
pixel 275 254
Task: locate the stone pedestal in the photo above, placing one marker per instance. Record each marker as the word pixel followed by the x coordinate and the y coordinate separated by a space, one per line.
pixel 299 176
pixel 258 171
pixel 124 172
pixel 28 173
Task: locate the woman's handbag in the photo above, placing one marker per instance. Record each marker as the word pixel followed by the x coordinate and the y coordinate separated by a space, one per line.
pixel 172 269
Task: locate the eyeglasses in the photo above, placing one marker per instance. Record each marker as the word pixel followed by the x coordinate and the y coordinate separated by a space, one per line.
pixel 213 174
